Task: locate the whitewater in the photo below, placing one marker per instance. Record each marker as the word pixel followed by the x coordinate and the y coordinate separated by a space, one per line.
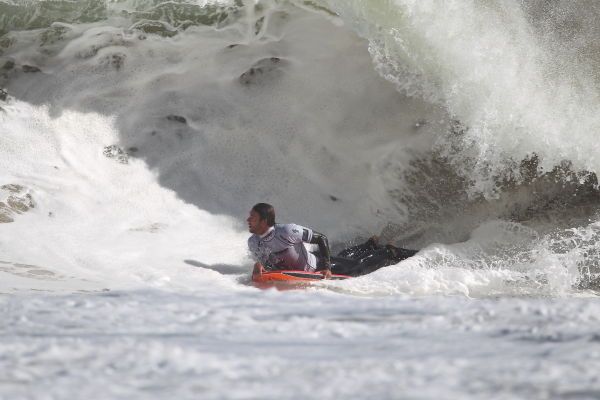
pixel 135 136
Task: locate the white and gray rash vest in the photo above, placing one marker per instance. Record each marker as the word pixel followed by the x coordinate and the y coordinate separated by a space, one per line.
pixel 283 247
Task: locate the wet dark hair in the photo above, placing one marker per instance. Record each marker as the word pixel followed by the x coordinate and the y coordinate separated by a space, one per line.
pixel 266 212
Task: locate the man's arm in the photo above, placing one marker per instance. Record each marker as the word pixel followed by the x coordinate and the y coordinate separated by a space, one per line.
pixel 321 240
pixel 259 268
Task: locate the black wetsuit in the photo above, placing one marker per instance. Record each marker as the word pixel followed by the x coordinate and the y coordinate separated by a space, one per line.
pixel 365 258
pixel 282 247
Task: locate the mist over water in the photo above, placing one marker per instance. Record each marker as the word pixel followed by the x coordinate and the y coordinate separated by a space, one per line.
pixel 135 135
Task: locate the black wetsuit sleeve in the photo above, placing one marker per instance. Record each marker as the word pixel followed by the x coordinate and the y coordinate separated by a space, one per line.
pixel 321 240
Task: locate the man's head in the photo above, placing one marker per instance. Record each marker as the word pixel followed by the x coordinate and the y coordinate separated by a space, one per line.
pixel 261 218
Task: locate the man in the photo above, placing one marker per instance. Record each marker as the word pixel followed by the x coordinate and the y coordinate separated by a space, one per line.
pixel 282 246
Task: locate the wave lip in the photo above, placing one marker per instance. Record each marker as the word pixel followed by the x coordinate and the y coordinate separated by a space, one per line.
pixel 500 70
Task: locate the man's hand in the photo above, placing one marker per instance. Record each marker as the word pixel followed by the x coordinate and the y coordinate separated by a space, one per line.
pixel 258 269
pixel 326 273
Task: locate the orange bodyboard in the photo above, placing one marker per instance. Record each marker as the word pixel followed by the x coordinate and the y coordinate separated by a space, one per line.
pixel 291 277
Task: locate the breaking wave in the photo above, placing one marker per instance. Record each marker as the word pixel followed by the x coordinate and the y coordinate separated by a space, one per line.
pixel 136 134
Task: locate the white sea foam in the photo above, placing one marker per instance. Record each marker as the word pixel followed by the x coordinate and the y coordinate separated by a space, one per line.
pixel 95 218
pixel 159 344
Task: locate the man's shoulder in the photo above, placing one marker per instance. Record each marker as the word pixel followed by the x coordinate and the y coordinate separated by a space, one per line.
pixel 293 232
pixel 288 228
pixel 252 240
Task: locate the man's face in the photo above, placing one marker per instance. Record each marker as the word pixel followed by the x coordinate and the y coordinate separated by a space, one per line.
pixel 255 224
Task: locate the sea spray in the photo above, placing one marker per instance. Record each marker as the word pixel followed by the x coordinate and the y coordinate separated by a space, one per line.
pixel 497 69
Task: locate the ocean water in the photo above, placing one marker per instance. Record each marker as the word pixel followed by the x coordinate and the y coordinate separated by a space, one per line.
pixel 135 135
